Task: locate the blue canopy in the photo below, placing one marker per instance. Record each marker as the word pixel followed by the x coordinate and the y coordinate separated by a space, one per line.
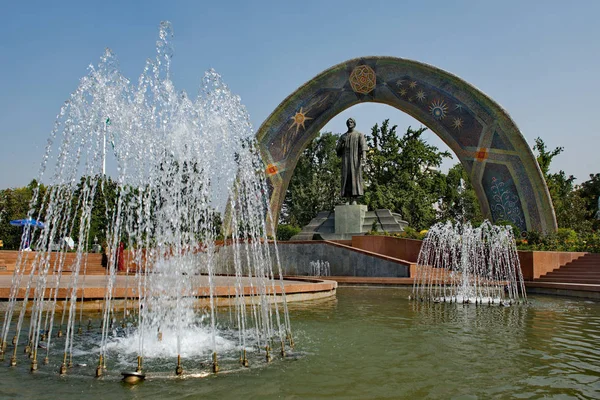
pixel 28 221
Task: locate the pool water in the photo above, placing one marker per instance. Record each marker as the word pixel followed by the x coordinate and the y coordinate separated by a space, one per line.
pixel 374 343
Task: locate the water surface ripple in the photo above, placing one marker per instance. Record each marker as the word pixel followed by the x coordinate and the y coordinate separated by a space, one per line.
pixel 374 343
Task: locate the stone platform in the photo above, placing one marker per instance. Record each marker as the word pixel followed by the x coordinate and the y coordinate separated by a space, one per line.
pixel 93 289
pixel 350 220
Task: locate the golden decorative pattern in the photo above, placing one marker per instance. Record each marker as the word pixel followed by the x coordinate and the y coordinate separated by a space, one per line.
pixel 299 119
pixel 362 79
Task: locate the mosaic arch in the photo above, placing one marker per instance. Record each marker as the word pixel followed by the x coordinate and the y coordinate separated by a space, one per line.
pixel 502 167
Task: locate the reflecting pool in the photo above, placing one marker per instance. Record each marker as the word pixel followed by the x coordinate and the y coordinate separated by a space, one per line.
pixel 375 343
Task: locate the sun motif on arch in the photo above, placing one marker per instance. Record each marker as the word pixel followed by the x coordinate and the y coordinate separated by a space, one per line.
pixel 363 79
pixel 299 119
pixel 438 109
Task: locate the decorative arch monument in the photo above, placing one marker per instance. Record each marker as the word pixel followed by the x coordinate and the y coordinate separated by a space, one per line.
pixel 498 160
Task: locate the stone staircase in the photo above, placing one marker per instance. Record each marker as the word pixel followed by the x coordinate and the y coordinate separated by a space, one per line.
pixel 583 270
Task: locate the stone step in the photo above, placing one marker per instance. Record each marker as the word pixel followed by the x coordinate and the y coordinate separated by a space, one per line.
pixel 568 277
pixel 573 273
pixel 569 280
pixel 578 269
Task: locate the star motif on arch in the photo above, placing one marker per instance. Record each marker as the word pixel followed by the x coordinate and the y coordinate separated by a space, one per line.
pixel 457 123
pixel 299 119
pixel 420 96
pixel 412 85
pixel 399 82
pixel 402 92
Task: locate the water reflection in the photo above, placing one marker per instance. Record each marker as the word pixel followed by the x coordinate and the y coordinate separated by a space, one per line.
pixel 375 343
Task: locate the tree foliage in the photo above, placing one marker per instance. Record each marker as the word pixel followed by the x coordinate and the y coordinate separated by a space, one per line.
pixel 402 174
pixel 315 184
pixel 589 191
pixel 569 207
pixel 459 201
pixel 15 204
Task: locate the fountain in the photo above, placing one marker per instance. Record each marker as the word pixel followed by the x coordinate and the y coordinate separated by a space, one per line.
pixel 182 166
pixel 320 268
pixel 463 264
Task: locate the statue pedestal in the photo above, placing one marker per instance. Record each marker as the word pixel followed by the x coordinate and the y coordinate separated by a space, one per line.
pixel 349 219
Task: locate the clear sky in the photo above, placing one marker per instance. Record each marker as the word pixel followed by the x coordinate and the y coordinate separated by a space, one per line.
pixel 539 59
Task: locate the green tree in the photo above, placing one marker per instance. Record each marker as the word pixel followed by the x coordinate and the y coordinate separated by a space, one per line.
pixel 315 184
pixel 569 206
pixel 16 204
pixel 402 174
pixel 589 191
pixel 459 201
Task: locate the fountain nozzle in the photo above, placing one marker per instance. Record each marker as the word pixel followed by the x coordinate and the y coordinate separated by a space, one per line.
pixel 215 363
pixel 34 363
pixel 13 358
pixel 244 360
pixel 139 366
pixel 100 367
pixel 179 368
pixel 137 376
pixel 63 366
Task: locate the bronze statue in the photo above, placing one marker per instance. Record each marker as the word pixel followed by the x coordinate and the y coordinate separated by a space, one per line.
pixel 352 147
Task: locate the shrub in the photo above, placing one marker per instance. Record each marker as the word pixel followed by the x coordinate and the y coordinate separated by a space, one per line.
pixel 285 232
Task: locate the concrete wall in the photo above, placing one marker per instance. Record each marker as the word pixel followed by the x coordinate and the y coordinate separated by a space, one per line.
pixel 534 264
pixel 343 260
pixel 403 249
pixel 369 256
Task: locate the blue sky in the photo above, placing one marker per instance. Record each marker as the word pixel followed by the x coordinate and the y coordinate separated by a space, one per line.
pixel 538 59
